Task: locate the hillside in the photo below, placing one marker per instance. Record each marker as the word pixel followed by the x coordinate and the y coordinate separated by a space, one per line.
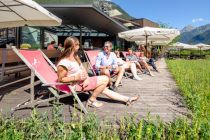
pixel 196 35
pixel 187 28
pixel 204 38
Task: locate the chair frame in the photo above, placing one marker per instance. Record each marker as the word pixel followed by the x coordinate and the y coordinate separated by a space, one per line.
pixel 31 103
pixel 89 63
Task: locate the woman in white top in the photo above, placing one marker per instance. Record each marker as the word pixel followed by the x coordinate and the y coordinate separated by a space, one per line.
pixel 70 69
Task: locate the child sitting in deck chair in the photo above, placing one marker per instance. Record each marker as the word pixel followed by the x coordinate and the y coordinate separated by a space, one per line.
pixel 70 69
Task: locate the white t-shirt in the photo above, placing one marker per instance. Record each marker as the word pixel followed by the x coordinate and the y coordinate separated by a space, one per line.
pixel 72 66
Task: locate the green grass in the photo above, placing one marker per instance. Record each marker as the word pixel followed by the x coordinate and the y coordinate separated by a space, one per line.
pixel 188 52
pixel 193 79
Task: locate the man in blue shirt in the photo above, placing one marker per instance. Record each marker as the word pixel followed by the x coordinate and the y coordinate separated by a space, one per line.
pixel 106 63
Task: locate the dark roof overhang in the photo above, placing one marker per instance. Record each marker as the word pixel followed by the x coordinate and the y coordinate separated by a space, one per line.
pixel 88 16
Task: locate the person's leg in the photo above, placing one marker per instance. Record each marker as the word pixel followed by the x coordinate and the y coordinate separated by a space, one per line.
pixel 116 96
pixel 139 66
pixel 102 82
pixel 107 73
pixel 120 73
pixel 152 63
pixel 127 65
pixel 134 71
pixel 147 67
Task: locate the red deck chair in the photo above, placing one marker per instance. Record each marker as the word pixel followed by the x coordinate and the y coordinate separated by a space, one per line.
pixel 91 59
pixel 45 70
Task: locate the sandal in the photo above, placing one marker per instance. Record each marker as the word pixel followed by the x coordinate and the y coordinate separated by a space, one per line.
pixel 94 104
pixel 132 99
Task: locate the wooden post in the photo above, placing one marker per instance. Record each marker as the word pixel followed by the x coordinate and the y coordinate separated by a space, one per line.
pixel 146 45
pixel 41 37
pixel 4 59
pixel 32 87
pixel 80 36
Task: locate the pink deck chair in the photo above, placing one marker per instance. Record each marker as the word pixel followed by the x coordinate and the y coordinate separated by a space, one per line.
pixel 45 70
pixel 91 59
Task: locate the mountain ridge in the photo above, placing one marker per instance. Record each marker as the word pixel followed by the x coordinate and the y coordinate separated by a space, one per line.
pixel 193 35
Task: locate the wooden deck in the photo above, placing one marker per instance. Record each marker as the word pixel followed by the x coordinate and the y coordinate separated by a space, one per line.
pixel 159 95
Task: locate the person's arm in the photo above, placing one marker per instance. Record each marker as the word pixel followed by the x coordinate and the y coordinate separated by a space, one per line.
pixel 114 65
pixel 98 62
pixel 62 75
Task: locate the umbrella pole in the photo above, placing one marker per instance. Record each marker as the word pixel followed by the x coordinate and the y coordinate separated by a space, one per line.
pixel 146 44
pixel 80 35
pixel 200 51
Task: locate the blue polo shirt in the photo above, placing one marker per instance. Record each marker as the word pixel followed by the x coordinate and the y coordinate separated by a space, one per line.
pixel 103 60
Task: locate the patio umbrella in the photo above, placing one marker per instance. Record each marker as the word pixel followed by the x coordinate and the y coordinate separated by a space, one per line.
pixel 202 46
pixel 149 33
pixel 152 42
pixel 16 13
pixel 179 46
pixel 191 47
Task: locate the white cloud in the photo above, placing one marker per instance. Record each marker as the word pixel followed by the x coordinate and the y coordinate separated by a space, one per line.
pixel 197 20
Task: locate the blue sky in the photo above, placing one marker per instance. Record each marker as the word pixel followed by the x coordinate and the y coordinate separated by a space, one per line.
pixel 175 13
